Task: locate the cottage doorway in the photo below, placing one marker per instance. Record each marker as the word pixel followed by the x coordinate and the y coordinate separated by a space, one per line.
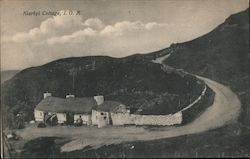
pixel 70 118
pixel 45 116
pixel 110 119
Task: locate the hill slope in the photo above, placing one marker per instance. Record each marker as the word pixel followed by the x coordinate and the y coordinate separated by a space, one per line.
pixel 221 55
pixel 6 75
pixel 137 83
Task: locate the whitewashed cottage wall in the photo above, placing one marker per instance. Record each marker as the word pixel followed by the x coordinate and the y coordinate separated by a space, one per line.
pixel 61 117
pixel 98 116
pixel 94 117
pixel 86 118
pixel 39 115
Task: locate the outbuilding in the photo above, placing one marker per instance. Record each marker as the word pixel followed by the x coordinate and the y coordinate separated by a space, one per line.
pixel 101 114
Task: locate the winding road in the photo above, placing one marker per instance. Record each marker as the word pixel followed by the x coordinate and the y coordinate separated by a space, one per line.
pixel 224 110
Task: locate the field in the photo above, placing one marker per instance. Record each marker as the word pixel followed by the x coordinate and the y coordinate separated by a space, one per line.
pixel 221 142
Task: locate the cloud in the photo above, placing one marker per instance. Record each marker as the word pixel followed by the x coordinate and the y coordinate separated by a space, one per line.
pixel 94 23
pixel 66 36
pixel 55 26
pixel 121 28
pixel 63 29
pixel 59 24
pixel 97 30
pixel 81 34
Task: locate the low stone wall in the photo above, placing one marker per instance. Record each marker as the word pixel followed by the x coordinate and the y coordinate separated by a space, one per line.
pixel 206 100
pixel 122 119
pixel 197 100
pixel 171 119
pixel 134 119
pixel 163 120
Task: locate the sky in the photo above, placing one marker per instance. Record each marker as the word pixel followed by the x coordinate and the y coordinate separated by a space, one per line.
pixel 115 28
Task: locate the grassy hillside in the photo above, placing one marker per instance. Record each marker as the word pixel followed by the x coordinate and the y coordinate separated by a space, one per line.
pixel 6 75
pixel 137 83
pixel 221 55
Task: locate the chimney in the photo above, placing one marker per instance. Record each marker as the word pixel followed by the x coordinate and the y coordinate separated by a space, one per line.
pixel 99 99
pixel 45 95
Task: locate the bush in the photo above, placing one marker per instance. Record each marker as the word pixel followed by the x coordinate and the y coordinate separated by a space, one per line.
pixel 41 125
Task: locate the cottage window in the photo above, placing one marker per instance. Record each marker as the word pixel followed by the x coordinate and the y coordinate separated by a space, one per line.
pixel 102 113
pixel 41 113
pixel 105 117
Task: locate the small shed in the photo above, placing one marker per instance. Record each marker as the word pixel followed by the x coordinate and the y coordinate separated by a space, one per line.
pixel 101 114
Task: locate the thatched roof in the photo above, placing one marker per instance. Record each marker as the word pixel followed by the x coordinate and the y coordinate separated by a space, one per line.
pixel 112 106
pixel 70 105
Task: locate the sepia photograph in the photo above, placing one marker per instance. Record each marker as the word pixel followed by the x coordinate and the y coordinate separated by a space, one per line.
pixel 125 79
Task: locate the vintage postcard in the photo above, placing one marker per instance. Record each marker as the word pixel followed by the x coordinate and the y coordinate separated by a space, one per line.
pixel 125 78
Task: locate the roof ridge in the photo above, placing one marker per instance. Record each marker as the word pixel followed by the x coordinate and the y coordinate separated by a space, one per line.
pixel 58 104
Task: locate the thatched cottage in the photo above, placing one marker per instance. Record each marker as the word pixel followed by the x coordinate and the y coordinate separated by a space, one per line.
pixel 67 110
